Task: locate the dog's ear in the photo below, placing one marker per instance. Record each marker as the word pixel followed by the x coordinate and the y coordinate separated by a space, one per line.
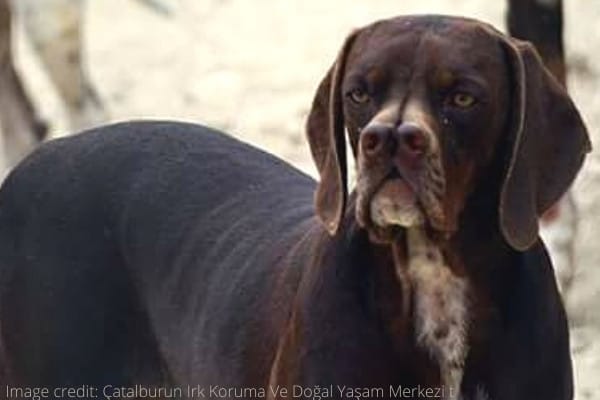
pixel 325 128
pixel 548 143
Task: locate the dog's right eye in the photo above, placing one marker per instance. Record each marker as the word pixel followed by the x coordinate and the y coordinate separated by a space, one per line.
pixel 462 100
pixel 359 96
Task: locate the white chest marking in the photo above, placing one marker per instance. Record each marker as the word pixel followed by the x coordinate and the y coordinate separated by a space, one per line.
pixel 440 309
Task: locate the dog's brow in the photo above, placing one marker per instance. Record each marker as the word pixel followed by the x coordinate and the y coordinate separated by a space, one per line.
pixel 473 80
pixel 375 75
pixel 446 77
pixel 443 77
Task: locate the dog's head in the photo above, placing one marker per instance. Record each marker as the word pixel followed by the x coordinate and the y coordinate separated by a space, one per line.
pixel 428 103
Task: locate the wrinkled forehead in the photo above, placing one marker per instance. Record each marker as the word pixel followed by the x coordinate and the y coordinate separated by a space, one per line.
pixel 424 43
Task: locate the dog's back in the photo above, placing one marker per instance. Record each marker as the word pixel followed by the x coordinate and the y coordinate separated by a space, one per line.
pixel 117 244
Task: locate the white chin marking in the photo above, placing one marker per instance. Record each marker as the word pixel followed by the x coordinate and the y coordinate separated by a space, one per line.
pixel 395 204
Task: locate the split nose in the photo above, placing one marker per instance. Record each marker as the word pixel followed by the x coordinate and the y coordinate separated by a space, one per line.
pixel 407 139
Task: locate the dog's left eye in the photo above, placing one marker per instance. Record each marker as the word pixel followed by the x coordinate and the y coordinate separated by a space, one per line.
pixel 462 100
pixel 358 96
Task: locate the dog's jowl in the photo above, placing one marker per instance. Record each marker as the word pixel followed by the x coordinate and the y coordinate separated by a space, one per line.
pixel 168 255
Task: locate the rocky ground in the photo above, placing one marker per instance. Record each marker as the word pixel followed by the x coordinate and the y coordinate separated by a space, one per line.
pixel 250 67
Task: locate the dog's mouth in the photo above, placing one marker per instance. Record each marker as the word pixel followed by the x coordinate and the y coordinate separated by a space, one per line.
pixel 395 202
pixel 389 206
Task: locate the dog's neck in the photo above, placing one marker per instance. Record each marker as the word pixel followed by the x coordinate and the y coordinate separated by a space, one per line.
pixel 350 274
pixel 438 283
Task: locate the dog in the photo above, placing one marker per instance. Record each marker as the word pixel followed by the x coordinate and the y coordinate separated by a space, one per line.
pixel 168 256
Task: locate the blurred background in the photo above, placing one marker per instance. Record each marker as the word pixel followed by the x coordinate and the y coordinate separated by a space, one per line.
pixel 250 67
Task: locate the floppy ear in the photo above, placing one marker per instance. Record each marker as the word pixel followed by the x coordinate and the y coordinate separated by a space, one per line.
pixel 549 142
pixel 326 135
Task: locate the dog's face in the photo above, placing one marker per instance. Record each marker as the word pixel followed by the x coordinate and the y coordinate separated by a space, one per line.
pixel 428 102
pixel 417 105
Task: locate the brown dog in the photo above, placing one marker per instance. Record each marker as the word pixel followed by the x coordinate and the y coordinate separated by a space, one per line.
pixel 443 115
pixel 170 256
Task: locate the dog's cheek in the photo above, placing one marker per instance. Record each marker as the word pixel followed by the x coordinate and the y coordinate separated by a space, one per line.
pixel 355 121
pixel 353 136
pixel 363 188
pixel 459 181
pixel 368 174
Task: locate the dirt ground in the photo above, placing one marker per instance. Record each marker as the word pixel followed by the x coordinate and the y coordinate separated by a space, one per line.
pixel 250 67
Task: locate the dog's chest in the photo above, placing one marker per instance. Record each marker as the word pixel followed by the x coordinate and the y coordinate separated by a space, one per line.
pixel 439 309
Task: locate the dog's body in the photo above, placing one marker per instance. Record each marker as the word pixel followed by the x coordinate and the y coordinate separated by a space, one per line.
pixel 162 253
pixel 146 259
pixel 166 254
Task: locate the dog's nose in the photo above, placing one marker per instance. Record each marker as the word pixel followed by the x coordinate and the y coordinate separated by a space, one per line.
pixel 411 140
pixel 374 137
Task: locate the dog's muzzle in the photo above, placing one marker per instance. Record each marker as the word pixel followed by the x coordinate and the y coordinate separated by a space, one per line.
pixel 393 184
pixel 395 203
